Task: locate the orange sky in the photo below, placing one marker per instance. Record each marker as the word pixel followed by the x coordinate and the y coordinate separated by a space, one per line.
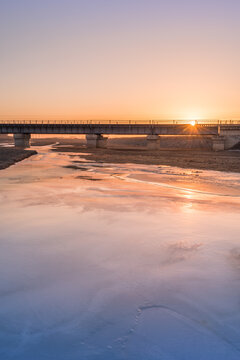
pixel 120 60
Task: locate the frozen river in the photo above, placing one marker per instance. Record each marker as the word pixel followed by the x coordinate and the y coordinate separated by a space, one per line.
pixel 112 262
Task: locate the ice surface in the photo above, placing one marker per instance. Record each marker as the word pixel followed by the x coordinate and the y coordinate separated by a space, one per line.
pixel 144 264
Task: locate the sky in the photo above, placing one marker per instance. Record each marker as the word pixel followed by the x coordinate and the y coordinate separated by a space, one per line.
pixel 119 59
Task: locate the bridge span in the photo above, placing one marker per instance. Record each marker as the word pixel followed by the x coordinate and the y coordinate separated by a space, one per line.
pixel 224 134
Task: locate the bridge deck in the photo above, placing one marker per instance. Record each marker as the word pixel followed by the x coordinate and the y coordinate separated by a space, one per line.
pixel 116 127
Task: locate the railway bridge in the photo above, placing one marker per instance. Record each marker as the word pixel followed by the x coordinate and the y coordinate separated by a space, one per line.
pixel 224 134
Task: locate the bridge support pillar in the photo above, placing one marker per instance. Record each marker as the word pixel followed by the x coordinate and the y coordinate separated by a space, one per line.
pixel 218 143
pixel 232 141
pixel 96 141
pixel 22 140
pixel 153 142
pixel 102 141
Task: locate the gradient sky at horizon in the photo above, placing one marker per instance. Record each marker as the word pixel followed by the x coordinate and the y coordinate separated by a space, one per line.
pixel 119 59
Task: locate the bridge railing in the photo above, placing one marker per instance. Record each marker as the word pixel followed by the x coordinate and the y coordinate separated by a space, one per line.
pixel 122 122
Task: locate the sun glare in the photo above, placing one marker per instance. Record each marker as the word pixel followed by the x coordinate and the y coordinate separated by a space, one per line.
pixel 193 122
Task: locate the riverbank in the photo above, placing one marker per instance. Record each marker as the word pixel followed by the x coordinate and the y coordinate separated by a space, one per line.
pixel 131 150
pixel 10 156
pixel 228 161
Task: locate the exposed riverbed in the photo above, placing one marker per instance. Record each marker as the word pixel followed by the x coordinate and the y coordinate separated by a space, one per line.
pixel 118 261
pixel 10 155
